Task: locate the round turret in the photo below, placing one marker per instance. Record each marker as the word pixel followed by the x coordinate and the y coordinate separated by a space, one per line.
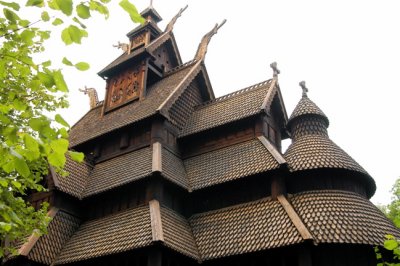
pixel 315 160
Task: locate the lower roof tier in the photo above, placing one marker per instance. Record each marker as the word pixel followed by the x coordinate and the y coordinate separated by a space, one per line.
pixel 329 217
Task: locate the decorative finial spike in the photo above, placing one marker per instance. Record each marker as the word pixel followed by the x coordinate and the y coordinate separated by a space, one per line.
pixel 202 49
pixel 304 88
pixel 275 69
pixel 171 24
pixel 151 3
pixel 93 98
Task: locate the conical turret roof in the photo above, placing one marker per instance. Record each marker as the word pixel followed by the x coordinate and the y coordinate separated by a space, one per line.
pixel 306 107
pixel 311 146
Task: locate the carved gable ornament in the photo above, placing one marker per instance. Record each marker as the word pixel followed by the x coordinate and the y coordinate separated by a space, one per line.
pixel 124 87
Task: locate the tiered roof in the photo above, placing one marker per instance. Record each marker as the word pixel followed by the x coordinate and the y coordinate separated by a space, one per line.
pixel 269 222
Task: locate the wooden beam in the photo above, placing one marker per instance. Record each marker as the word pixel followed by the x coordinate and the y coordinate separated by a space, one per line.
pixel 157 157
pixel 274 152
pixel 269 97
pixel 294 217
pixel 155 219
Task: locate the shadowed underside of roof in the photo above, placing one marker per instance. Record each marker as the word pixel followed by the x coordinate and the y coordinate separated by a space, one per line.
pixel 229 163
pixel 95 124
pixel 342 217
pixel 228 108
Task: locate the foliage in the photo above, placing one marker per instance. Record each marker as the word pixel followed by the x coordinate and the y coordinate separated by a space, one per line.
pixel 392 210
pixel 391 244
pixel 31 136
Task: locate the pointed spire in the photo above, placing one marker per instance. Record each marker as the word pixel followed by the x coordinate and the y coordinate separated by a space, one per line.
pixel 171 24
pixel 275 69
pixel 202 50
pixel 150 14
pixel 304 88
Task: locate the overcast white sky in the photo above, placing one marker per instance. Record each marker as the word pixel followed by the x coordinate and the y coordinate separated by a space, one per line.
pixel 346 51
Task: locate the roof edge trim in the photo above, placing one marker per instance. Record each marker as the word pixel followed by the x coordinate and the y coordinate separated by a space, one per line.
pixel 274 152
pixel 156 165
pixel 295 218
pixel 155 220
pixel 183 81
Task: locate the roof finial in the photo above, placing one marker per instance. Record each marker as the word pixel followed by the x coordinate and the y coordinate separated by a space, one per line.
pixel 304 88
pixel 151 3
pixel 202 50
pixel 171 24
pixel 274 67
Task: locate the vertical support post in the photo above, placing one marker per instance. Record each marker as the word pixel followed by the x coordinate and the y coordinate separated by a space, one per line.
pixel 277 186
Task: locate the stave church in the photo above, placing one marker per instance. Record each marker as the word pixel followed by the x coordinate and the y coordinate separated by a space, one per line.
pixel 174 176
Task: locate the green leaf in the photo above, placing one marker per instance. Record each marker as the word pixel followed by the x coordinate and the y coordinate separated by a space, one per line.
pixel 5 226
pixel 46 63
pixel 37 3
pixel 57 22
pixel 27 36
pixel 72 34
pixel 31 143
pixel 65 6
pixel 59 145
pixel 59 81
pixel 77 156
pixel 61 120
pixel 9 166
pixel 21 167
pixel 65 61
pixel 83 26
pixel 16 184
pixel 13 5
pixel 15 218
pixel 82 66
pixel 3 182
pixel 56 159
pixel 132 11
pixel 63 132
pixel 37 123
pixel 83 11
pixel 390 244
pixel 99 7
pixel 45 16
pixel 46 79
pixel 66 36
pixel 10 15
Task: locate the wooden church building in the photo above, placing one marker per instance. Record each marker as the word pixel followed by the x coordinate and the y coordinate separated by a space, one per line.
pixel 174 176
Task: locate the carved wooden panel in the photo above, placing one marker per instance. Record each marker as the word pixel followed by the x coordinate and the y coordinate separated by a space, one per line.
pixel 124 87
pixel 138 40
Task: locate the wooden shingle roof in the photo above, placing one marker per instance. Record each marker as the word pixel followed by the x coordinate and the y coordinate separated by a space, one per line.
pixel 128 230
pixel 245 228
pixel 178 233
pixel 229 163
pixel 342 217
pixel 116 233
pixel 119 171
pixel 76 180
pixel 307 107
pixel 229 108
pixel 59 231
